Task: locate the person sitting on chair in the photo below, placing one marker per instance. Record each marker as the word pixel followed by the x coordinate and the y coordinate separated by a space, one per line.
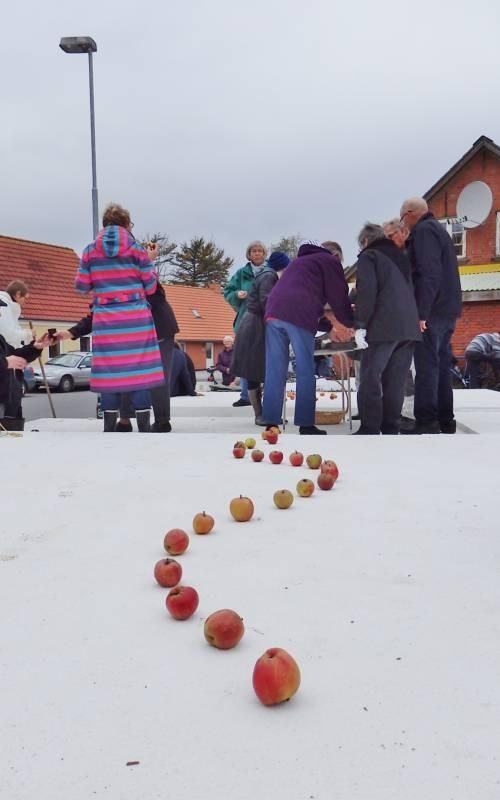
pixel 224 361
pixel 483 349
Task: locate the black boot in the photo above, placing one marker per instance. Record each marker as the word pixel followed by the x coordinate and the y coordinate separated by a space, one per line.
pixel 254 396
pixel 448 427
pixel 311 430
pixel 161 426
pixel 13 423
pixel 143 421
pixel 110 420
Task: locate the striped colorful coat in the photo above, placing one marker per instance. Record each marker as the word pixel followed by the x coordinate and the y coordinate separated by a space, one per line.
pixel 125 353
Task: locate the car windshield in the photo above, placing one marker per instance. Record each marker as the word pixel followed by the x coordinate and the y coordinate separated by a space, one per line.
pixel 64 361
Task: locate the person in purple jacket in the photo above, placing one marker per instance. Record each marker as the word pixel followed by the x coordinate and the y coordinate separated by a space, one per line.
pixel 294 308
pixel 224 360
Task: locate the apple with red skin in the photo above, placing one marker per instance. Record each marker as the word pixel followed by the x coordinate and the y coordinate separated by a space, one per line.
pixel 283 498
pixel 257 455
pixel 275 456
pixel 239 450
pixel 168 572
pixel 330 467
pixel 314 461
pixel 224 629
pixel 203 523
pixel 176 542
pixel 182 602
pixel 296 459
pixel 272 437
pixel 250 443
pixel 325 481
pixel 276 677
pixel 305 487
pixel 241 508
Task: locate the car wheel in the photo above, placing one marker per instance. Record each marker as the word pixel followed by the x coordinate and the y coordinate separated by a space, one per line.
pixel 66 384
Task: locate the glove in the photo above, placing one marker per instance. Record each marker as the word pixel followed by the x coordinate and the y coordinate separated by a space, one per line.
pixel 360 339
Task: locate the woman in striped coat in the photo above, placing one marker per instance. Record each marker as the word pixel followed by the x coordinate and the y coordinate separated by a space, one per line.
pixel 125 353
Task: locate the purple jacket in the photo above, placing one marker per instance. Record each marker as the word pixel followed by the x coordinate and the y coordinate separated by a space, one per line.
pixel 313 279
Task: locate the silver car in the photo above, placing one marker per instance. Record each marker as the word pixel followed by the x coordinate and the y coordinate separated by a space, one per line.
pixel 66 372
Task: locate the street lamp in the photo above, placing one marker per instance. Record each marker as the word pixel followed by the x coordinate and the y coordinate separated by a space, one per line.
pixel 85 44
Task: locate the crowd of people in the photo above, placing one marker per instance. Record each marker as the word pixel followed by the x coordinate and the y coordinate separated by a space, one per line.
pixel 403 311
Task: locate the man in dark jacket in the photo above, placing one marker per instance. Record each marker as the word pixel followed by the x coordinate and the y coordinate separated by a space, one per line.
pixel 293 311
pixel 12 360
pixel 439 302
pixel 387 327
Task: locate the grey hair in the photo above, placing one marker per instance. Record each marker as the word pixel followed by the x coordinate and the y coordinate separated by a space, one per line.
pixel 334 248
pixel 256 243
pixel 394 223
pixel 370 233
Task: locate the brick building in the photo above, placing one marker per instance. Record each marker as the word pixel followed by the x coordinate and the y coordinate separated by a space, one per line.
pixel 478 249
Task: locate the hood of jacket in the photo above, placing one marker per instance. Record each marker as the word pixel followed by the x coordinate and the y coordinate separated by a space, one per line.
pixel 115 241
pixel 396 254
pixel 309 249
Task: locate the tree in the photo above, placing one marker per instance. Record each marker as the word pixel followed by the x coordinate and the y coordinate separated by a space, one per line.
pixel 288 245
pixel 166 253
pixel 199 263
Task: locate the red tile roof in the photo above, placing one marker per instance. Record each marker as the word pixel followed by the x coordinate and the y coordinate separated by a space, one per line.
pixel 215 315
pixel 49 271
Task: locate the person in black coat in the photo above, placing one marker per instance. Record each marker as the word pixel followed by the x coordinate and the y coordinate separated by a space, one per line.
pixel 439 301
pixel 183 375
pixel 249 352
pixel 12 361
pixel 386 319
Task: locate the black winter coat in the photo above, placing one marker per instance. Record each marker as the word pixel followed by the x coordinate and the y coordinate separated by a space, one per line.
pixel 435 270
pixel 385 303
pixel 249 352
pixel 11 386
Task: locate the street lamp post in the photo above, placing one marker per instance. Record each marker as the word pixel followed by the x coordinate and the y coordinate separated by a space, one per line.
pixel 85 44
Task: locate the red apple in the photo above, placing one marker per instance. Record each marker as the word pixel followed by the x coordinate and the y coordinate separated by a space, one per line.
pixel 176 542
pixel 182 602
pixel 241 508
pixel 275 456
pixel 168 572
pixel 283 498
pixel 325 480
pixel 331 468
pixel 272 437
pixel 224 629
pixel 333 396
pixel 296 459
pixel 314 461
pixel 276 677
pixel 239 450
pixel 305 487
pixel 257 455
pixel 203 523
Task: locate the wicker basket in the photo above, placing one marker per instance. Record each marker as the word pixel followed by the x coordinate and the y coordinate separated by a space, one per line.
pixel 329 417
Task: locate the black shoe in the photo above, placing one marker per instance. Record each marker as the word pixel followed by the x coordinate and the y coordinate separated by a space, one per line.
pixel 365 432
pixel 355 417
pixel 311 430
pixel 162 426
pixel 417 430
pixel 241 403
pixel 123 427
pixel 448 427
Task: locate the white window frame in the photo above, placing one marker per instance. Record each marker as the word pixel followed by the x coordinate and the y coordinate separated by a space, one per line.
pixel 448 224
pixel 209 354
pixel 498 234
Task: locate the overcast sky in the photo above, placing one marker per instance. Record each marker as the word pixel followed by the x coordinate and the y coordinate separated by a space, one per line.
pixel 240 119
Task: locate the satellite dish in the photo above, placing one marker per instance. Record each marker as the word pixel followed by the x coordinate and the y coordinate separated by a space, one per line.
pixel 474 204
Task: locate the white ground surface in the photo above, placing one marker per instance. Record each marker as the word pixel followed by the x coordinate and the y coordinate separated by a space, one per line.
pixel 385 590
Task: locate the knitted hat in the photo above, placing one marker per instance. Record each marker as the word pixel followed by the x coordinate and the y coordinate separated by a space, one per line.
pixel 278 261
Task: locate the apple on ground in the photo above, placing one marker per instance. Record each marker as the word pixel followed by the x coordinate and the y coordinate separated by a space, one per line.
pixel 333 396
pixel 168 572
pixel 321 394
pixel 224 629
pixel 330 467
pixel 305 487
pixel 239 449
pixel 283 498
pixel 325 481
pixel 250 443
pixel 276 677
pixel 241 508
pixel 182 602
pixel 296 459
pixel 272 437
pixel 275 456
pixel 176 542
pixel 314 461
pixel 257 455
pixel 203 523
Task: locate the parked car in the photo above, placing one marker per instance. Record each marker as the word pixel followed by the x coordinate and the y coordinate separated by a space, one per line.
pixel 66 372
pixel 29 380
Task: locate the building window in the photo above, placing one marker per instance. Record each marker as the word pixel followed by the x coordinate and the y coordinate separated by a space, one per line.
pixel 498 233
pixel 209 354
pixel 458 235
pixel 85 344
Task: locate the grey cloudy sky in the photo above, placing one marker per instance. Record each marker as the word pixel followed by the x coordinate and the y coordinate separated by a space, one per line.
pixel 239 120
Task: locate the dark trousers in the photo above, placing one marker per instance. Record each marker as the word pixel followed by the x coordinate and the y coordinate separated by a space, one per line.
pixel 475 362
pixel 160 395
pixel 140 400
pixel 384 367
pixel 433 389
